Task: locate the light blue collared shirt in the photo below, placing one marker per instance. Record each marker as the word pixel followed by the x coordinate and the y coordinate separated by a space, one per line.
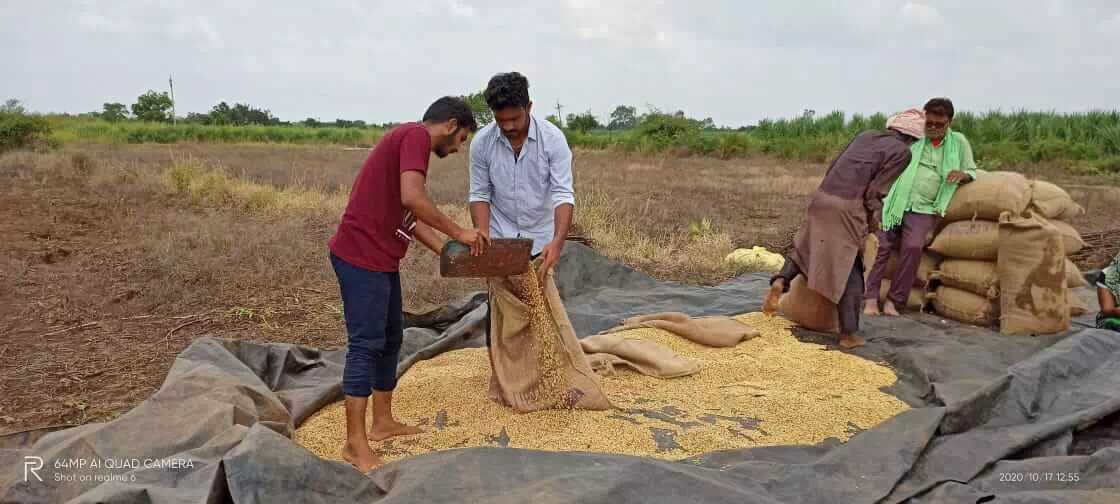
pixel 523 194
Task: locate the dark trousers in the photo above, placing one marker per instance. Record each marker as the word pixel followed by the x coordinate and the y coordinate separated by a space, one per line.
pixel 851 301
pixel 371 305
pixel 909 240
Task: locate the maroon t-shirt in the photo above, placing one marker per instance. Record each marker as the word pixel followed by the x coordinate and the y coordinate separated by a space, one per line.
pixel 376 229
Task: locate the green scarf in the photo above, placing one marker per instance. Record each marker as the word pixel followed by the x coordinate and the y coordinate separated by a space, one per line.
pixel 1112 276
pixel 898 200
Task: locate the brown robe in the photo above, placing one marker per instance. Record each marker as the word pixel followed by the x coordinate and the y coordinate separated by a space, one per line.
pixel 841 212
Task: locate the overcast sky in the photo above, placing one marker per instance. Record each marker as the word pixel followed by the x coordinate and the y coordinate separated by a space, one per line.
pixel 736 61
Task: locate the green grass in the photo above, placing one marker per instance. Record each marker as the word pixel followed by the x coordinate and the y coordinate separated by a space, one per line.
pixel 68 130
pixel 1090 140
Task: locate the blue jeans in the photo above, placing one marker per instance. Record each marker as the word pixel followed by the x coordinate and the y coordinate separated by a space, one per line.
pixel 371 305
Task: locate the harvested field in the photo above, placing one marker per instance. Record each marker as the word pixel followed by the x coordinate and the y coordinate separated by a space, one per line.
pixel 115 257
pixel 757 393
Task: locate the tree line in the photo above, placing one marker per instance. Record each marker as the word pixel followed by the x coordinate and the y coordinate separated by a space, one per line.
pixel 155 106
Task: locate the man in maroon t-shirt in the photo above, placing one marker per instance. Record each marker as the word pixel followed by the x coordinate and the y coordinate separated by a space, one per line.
pixel 388 207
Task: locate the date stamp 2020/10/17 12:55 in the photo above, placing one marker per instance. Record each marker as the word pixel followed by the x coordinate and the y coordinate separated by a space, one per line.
pixel 1039 477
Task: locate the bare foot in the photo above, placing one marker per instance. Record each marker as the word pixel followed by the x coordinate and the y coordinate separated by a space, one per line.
pixel 889 309
pixel 392 429
pixel 871 307
pixel 360 456
pixel 773 298
pixel 851 341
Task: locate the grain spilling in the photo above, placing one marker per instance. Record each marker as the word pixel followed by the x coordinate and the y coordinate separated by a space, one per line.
pixel 769 390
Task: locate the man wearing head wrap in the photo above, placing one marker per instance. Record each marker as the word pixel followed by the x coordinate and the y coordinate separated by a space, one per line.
pixel 844 210
pixel 1108 294
pixel 939 163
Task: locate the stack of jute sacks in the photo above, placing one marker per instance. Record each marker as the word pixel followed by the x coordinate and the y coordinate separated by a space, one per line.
pixel 1001 256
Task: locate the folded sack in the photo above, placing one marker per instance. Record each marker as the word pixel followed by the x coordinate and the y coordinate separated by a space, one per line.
pixel 713 331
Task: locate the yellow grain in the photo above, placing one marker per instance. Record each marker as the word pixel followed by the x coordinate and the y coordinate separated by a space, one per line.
pixel 785 391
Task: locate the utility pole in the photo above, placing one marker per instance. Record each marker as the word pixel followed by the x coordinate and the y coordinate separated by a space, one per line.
pixel 560 113
pixel 172 86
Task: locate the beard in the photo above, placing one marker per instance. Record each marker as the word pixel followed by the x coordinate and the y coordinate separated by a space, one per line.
pixel 441 148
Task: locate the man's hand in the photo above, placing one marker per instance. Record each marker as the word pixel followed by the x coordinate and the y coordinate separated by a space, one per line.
pixel 875 222
pixel 958 177
pixel 474 238
pixel 549 256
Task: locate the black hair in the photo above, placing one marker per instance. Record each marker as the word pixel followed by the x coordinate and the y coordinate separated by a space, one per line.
pixel 506 90
pixel 940 106
pixel 450 107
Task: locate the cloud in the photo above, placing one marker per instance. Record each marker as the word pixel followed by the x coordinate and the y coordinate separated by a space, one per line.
pixel 922 14
pixel 99 23
pixel 460 9
pixel 735 61
pixel 1111 26
pixel 198 28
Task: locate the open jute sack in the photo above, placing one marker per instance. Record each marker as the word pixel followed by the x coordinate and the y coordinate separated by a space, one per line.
pixel 1032 277
pixel 1077 306
pixel 536 361
pixel 977 240
pixel 714 331
pixel 989 196
pixel 605 351
pixel 807 308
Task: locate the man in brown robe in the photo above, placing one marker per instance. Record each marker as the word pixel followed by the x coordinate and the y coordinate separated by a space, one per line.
pixel 845 209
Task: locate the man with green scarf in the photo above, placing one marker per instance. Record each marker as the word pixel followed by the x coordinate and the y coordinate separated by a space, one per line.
pixel 1108 294
pixel 939 163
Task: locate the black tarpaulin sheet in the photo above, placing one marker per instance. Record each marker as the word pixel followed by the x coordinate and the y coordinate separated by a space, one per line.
pixel 997 420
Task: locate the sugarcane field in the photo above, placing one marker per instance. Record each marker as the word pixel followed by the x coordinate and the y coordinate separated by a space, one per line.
pixel 587 266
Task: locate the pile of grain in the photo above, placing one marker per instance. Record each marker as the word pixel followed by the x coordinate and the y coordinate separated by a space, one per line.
pixel 545 345
pixel 770 390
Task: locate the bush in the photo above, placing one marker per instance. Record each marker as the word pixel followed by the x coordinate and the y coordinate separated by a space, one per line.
pixel 18 131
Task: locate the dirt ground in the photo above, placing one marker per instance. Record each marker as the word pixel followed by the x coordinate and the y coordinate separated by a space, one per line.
pixel 106 273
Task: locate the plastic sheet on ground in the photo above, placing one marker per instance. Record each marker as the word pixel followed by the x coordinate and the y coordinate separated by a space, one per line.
pixel 996 419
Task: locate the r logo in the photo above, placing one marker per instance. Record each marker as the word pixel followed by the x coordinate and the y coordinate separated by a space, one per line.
pixel 32 464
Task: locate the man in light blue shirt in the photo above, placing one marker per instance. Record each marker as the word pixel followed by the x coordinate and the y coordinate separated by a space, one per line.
pixel 521 173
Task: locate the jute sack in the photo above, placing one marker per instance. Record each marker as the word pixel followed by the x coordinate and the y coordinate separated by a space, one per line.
pixel 1075 279
pixel 1032 277
pixel 1071 239
pixel 977 277
pixel 536 361
pixel 977 240
pixel 641 355
pixel 809 309
pixel 1053 202
pixel 989 196
pixel 1077 306
pixel 708 331
pixel 925 270
pixel 916 300
pixel 964 306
